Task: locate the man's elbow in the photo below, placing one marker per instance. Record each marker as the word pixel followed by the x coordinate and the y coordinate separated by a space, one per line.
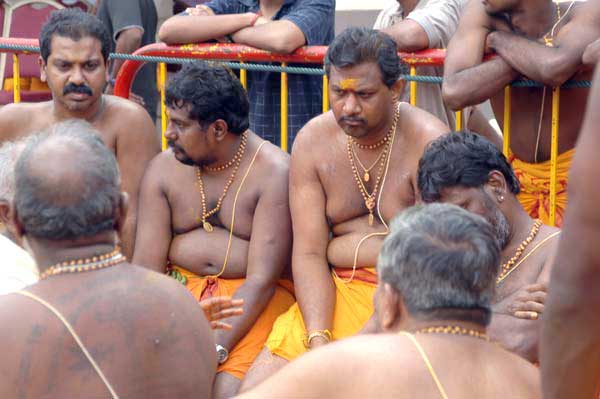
pixel 284 45
pixel 557 72
pixel 168 31
pixel 453 95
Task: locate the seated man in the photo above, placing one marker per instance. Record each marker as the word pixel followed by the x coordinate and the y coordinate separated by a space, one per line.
pixel 467 170
pixel 353 169
pixel 543 41
pixel 74 60
pixel 214 211
pixel 437 270
pixel 274 25
pixel 429 24
pixel 95 326
pixel 17 268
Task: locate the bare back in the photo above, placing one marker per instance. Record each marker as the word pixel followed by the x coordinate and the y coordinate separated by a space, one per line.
pixel 136 324
pixel 323 148
pixel 466 367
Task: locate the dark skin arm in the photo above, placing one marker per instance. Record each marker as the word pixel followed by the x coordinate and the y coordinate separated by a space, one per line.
pixel 268 254
pixel 408 35
pixel 201 28
pixel 550 65
pixel 135 147
pixel 591 55
pixel 154 222
pixel 315 291
pixel 128 41
pixel 570 344
pixel 468 80
pixel 280 36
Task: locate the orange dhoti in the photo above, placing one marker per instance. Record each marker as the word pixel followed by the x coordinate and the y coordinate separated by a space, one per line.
pixel 535 186
pixel 243 354
pixel 353 308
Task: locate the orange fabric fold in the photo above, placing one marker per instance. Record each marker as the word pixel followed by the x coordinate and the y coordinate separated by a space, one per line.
pixel 243 354
pixel 535 186
pixel 366 275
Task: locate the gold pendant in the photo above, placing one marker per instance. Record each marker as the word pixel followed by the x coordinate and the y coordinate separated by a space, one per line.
pixel 371 219
pixel 366 176
pixel 207 227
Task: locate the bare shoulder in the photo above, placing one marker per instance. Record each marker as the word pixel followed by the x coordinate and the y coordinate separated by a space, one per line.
pixel 315 135
pixel 161 167
pixel 127 117
pixel 419 126
pixel 22 119
pixel 272 158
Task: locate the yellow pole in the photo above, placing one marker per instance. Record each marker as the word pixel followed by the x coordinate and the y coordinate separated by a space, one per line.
pixel 507 116
pixel 554 153
pixel 413 86
pixel 244 77
pixel 16 79
pixel 325 94
pixel 284 109
pixel 162 86
pixel 459 121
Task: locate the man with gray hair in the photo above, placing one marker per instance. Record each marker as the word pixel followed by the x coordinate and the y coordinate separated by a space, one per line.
pixel 17 269
pixel 101 325
pixel 437 271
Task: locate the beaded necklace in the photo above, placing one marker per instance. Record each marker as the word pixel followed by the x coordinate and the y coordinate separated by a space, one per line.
pixel 83 265
pixel 237 159
pixel 454 330
pixel 510 264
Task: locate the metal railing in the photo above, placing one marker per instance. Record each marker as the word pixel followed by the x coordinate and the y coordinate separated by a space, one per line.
pixel 247 58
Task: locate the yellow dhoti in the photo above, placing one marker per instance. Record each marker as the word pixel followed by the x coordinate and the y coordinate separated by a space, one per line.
pixel 243 354
pixel 353 308
pixel 535 186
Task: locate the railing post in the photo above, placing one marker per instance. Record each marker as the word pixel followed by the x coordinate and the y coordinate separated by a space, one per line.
pixel 244 78
pixel 284 109
pixel 459 122
pixel 506 122
pixel 162 87
pixel 554 153
pixel 325 93
pixel 413 86
pixel 16 79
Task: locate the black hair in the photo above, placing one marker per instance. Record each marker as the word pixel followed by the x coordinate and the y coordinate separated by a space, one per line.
pixel 74 24
pixel 461 159
pixel 358 45
pixel 213 93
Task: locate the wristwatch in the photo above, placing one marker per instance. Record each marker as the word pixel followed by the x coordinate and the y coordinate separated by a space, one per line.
pixel 222 353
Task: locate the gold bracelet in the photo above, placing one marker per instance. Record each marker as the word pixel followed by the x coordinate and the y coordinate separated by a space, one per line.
pixel 326 334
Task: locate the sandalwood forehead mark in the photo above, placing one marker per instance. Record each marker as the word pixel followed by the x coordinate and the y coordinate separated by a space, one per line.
pixel 349 84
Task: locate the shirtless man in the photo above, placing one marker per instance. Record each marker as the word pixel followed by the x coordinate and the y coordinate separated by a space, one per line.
pixel 134 324
pixel 467 170
pixel 74 54
pixel 437 271
pixel 340 209
pixel 214 212
pixel 570 344
pixel 539 40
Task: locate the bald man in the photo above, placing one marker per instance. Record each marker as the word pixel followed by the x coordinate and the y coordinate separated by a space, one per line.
pixel 95 325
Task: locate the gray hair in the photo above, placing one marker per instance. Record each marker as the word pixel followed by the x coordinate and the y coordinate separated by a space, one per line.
pixel 439 257
pixel 67 184
pixel 9 153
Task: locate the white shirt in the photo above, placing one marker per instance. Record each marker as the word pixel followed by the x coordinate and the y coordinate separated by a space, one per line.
pixel 17 268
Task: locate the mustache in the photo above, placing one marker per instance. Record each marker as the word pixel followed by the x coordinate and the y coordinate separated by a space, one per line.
pixel 78 89
pixel 172 144
pixel 353 120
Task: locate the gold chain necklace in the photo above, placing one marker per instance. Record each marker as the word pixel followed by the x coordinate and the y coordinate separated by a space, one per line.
pixel 366 175
pixel 83 265
pixel 381 142
pixel 236 164
pixel 454 330
pixel 370 198
pixel 508 266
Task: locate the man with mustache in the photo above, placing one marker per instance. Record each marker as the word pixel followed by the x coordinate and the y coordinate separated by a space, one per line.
pixel 539 40
pixel 74 55
pixel 214 212
pixel 467 170
pixel 353 169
